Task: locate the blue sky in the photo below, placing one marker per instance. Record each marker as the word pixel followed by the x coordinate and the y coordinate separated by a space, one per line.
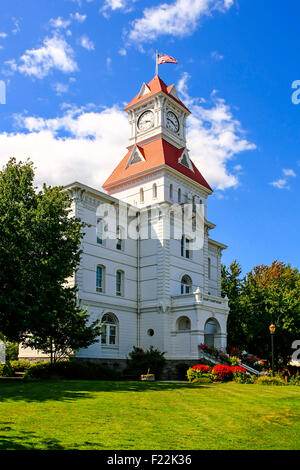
pixel 70 66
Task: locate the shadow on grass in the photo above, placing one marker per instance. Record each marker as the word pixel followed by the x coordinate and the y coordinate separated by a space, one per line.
pixel 32 441
pixel 72 390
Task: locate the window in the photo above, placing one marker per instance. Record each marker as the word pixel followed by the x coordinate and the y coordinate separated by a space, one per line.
pixel 183 324
pixel 154 191
pixel 185 250
pixel 186 285
pixel 209 268
pixel 179 195
pixel 171 191
pixel 172 221
pixel 141 195
pixel 100 279
pixel 120 238
pixel 99 231
pixel 109 334
pixel 119 282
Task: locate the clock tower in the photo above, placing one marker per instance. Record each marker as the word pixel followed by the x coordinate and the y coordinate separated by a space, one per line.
pixel 157 111
pixel 157 167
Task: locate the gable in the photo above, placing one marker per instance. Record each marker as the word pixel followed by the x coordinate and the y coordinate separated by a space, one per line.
pixel 144 90
pixel 185 160
pixel 135 157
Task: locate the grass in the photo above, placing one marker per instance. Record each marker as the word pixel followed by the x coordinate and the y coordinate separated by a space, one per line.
pixel 134 415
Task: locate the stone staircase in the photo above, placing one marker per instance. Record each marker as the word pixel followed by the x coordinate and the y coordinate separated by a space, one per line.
pixel 214 360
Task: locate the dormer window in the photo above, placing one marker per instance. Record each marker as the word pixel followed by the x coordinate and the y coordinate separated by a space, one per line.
pixel 185 161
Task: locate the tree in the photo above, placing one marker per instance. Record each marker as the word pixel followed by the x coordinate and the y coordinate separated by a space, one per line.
pixel 271 294
pixel 40 248
pixel 268 294
pixel 231 286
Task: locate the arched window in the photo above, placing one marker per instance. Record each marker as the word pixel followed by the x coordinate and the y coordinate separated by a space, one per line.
pixel 179 195
pixel 154 191
pixel 186 284
pixel 119 283
pixel 109 334
pixel 99 231
pixel 141 195
pixel 211 330
pixel 100 279
pixel 183 324
pixel 120 238
pixel 171 191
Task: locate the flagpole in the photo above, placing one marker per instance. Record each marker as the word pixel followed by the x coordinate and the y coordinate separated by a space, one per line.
pixel 156 64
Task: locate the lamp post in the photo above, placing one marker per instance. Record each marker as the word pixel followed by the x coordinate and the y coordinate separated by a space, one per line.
pixel 272 329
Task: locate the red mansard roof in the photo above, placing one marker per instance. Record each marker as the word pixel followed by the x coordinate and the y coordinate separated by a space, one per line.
pixel 156 154
pixel 156 85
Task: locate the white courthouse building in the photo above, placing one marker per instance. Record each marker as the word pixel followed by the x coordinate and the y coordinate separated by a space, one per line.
pixel 140 271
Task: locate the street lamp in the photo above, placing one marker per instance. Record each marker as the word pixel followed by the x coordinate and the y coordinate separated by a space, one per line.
pixel 272 329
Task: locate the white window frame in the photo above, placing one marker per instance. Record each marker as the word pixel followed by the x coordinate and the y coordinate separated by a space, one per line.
pixel 120 293
pixel 101 288
pixel 107 329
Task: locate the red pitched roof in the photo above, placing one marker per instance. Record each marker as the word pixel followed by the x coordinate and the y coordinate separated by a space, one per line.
pixel 156 85
pixel 157 154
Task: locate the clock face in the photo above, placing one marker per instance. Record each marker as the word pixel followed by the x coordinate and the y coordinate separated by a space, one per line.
pixel 172 122
pixel 146 121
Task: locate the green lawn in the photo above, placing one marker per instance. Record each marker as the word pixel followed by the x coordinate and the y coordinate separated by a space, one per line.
pixel 133 415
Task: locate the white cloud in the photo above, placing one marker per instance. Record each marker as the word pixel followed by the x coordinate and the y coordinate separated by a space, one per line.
pixel 59 23
pixel 289 172
pixel 123 52
pixel 112 5
pixel 85 42
pixel 283 182
pixel 82 144
pixel 60 88
pixel 217 56
pixel 3 35
pixel 178 19
pixel 214 137
pixel 78 17
pixel 16 29
pixel 55 53
pixel 280 184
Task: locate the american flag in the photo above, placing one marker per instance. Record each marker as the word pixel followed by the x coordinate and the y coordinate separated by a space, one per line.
pixel 165 59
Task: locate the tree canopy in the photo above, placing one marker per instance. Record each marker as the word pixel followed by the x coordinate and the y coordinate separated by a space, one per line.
pixel 267 294
pixel 40 248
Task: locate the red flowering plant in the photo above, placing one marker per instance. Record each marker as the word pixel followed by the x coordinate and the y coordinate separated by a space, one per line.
pixel 235 369
pixel 202 368
pixel 197 372
pixel 222 373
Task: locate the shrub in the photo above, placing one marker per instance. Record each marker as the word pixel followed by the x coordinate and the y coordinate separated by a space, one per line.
pixel 243 378
pixel 140 361
pixel 268 380
pixel 295 380
pixel 12 351
pixel 6 370
pixel 197 372
pixel 222 373
pixel 71 370
pixel 20 366
pixel 234 360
